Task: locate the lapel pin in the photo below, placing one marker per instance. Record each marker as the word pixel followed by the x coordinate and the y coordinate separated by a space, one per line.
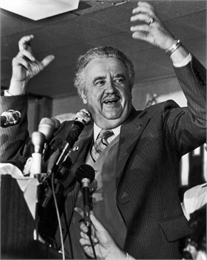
pixel 76 148
pixel 139 126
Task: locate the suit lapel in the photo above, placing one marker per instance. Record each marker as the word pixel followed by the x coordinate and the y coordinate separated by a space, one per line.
pixel 80 148
pixel 130 134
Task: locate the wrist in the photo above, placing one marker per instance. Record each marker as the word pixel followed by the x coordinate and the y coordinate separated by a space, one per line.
pixel 17 87
pixel 176 51
pixel 116 253
pixel 176 44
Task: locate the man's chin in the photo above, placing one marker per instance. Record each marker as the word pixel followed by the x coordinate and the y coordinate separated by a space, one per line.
pixel 113 118
pixel 110 122
pixel 113 114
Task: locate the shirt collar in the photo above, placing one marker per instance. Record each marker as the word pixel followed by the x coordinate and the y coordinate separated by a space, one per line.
pixel 97 129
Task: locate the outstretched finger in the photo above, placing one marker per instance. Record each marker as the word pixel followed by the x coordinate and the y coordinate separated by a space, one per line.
pixel 144 6
pixel 47 60
pixel 24 42
pixel 97 225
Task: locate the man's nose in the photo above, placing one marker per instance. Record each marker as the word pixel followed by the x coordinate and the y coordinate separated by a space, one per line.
pixel 110 87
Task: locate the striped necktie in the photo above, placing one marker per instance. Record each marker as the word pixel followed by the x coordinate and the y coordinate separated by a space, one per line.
pixel 100 143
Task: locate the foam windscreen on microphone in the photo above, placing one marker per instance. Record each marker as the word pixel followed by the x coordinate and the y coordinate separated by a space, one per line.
pixel 56 122
pixel 47 127
pixel 85 171
pixel 38 139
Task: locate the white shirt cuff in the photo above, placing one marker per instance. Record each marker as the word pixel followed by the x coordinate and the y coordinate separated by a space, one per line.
pixel 184 62
pixel 7 94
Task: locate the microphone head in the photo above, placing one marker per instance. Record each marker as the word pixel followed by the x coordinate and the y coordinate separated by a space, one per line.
pixel 47 127
pixel 37 138
pixel 56 122
pixel 83 116
pixel 85 171
pixel 38 141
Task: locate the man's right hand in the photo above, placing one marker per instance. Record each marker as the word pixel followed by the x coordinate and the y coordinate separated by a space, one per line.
pixel 25 66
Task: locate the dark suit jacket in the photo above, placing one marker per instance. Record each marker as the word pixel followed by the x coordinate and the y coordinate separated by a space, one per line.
pixel 150 147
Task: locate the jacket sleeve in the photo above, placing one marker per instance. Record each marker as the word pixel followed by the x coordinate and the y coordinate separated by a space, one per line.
pixel 15 145
pixel 186 127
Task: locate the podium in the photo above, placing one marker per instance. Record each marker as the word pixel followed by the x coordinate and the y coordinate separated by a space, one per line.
pixel 17 226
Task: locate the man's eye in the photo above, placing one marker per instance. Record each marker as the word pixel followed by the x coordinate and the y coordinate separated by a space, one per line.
pixel 100 83
pixel 119 80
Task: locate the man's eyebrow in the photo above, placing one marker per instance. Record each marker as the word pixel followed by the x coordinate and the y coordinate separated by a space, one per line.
pixel 98 78
pixel 120 75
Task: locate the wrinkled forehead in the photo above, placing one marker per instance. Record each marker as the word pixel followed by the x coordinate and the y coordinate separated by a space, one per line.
pixel 102 65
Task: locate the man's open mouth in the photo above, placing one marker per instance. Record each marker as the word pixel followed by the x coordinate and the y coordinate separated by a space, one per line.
pixel 110 101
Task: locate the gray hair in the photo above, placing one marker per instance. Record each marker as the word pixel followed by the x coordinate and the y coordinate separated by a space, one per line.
pixel 102 51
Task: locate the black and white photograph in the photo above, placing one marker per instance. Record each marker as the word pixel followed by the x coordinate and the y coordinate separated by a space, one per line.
pixel 103 151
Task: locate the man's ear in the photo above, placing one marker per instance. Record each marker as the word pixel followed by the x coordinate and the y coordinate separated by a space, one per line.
pixel 84 98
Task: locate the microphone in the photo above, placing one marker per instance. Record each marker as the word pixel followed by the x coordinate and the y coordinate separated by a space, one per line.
pixel 48 126
pixel 82 118
pixel 63 162
pixel 10 117
pixel 85 175
pixel 60 177
pixel 38 140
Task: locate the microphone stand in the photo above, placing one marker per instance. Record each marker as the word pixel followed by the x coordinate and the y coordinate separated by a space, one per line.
pixel 38 141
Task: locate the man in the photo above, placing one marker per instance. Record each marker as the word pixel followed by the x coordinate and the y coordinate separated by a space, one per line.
pixel 138 171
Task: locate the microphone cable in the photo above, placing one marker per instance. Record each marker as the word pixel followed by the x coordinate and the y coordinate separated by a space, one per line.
pixel 58 217
pixel 90 238
pixel 60 226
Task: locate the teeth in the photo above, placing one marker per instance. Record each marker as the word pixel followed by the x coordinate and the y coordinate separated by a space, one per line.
pixel 112 100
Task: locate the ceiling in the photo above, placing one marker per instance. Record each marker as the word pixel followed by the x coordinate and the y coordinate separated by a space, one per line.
pixel 95 23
